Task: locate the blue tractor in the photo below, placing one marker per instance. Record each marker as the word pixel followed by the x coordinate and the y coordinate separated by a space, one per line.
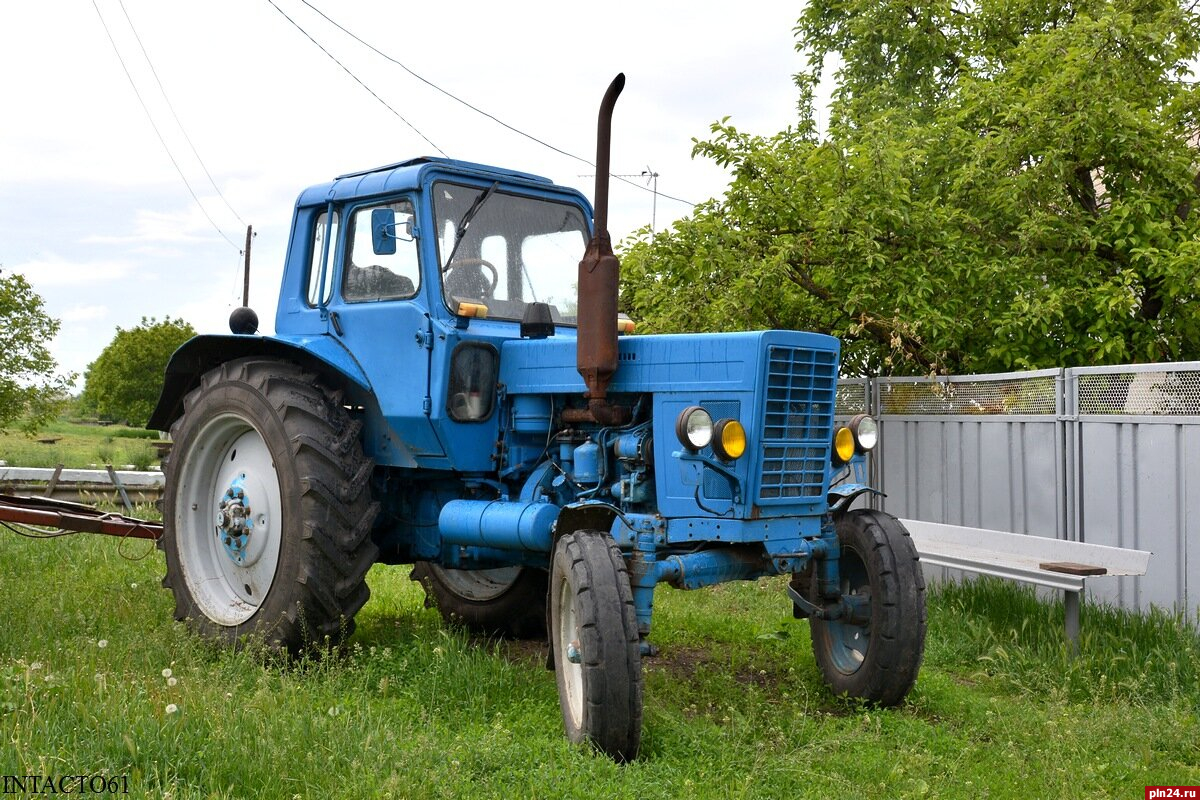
pixel 447 387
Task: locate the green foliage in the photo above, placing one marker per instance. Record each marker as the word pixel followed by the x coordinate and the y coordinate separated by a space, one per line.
pixel 125 381
pixel 29 391
pixel 1002 185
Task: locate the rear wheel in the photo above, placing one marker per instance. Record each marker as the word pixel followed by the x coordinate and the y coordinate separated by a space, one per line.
pixel 267 513
pixel 595 644
pixel 877 660
pixel 507 601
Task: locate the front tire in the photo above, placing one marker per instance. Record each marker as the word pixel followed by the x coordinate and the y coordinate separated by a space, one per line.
pixel 595 644
pixel 877 661
pixel 267 514
pixel 508 601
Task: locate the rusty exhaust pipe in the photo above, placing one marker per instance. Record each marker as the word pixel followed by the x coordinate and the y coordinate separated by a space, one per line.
pixel 599 282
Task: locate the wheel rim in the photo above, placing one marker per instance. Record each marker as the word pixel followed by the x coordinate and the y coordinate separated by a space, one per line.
pixel 848 644
pixel 228 520
pixel 478 585
pixel 568 661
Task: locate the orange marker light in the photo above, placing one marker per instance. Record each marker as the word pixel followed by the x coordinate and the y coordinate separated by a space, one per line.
pixel 477 310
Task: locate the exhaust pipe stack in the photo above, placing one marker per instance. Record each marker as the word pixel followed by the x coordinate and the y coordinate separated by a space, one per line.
pixel 599 282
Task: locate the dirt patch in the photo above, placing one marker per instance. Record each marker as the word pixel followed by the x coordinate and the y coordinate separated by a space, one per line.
pixel 678 662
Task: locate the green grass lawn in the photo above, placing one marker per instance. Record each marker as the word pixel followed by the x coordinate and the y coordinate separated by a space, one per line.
pixel 734 707
pixel 79 446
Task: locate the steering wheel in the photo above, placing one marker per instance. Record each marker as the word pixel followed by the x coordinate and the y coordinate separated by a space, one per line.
pixel 474 262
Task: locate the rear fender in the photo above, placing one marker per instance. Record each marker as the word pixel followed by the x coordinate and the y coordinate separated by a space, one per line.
pixel 324 355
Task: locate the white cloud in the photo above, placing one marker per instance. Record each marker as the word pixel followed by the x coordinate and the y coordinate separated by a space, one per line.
pixel 84 313
pixel 54 271
pixel 187 226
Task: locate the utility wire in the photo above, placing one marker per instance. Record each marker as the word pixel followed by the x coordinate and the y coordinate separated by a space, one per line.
pixel 476 109
pixel 157 132
pixel 355 77
pixel 178 122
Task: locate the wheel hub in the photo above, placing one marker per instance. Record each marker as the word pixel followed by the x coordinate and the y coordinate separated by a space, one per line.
pixel 236 523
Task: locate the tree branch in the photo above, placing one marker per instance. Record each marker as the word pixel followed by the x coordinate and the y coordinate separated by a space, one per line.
pixel 887 336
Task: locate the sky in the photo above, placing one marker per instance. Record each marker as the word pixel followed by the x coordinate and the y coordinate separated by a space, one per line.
pixel 95 213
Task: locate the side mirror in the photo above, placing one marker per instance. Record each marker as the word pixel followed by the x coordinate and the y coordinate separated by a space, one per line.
pixel 383 231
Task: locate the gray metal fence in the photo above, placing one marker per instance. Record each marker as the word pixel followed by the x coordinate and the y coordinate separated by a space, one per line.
pixel 1107 455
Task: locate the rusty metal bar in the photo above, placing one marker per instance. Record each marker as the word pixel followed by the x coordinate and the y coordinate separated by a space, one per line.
pixel 49 513
pixel 603 153
pixel 599 276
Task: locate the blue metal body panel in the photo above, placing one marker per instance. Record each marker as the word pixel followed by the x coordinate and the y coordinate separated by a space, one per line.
pixel 735 375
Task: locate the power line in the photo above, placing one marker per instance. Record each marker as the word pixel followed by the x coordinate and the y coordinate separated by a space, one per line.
pixel 355 77
pixel 178 122
pixel 474 108
pixel 157 132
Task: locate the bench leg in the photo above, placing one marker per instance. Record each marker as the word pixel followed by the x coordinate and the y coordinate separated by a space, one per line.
pixel 1071 602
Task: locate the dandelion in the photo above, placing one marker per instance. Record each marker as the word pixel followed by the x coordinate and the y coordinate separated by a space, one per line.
pixel 36 665
pixel 103 643
pixel 167 672
pixel 172 708
pixel 172 681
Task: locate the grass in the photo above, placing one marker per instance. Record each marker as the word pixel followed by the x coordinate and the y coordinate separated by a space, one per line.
pixel 734 707
pixel 79 445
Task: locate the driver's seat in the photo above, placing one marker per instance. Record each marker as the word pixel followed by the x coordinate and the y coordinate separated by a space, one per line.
pixel 467 280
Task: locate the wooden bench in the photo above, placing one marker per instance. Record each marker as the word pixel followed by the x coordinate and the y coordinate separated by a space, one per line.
pixel 1055 563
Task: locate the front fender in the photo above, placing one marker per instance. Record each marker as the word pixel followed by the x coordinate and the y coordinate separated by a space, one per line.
pixel 841 497
pixel 323 354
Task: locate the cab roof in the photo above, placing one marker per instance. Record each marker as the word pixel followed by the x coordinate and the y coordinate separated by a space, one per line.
pixel 406 176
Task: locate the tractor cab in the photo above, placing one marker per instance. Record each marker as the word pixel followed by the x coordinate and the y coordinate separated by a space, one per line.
pixel 422 270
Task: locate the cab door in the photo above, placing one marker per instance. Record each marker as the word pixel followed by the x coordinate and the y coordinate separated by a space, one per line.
pixel 378 313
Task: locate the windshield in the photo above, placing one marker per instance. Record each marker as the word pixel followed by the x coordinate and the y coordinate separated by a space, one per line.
pixel 512 251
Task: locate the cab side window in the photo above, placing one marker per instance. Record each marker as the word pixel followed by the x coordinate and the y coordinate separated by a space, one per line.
pixel 381 259
pixel 319 292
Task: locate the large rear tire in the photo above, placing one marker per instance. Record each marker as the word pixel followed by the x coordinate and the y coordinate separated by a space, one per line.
pixel 595 644
pixel 508 601
pixel 267 514
pixel 877 661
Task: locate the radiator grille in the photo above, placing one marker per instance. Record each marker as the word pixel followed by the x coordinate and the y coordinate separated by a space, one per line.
pixel 797 418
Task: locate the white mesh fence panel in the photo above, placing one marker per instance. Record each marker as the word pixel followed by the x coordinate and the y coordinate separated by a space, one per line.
pixel 1036 394
pixel 1146 393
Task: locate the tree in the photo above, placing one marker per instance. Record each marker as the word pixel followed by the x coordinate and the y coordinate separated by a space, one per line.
pixel 1003 185
pixel 29 390
pixel 125 381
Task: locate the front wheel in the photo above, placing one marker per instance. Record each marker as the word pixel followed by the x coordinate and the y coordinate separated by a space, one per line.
pixel 267 513
pixel 595 644
pixel 880 572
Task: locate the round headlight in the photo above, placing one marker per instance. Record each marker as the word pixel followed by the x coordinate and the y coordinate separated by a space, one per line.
pixel 694 427
pixel 866 432
pixel 843 445
pixel 729 439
